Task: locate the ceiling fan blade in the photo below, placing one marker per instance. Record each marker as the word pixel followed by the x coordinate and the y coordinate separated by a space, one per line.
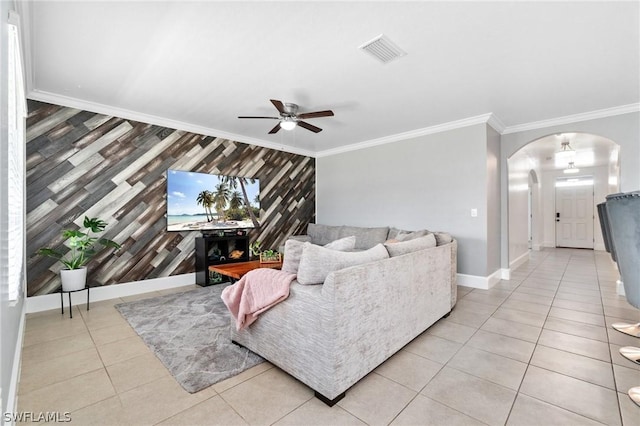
pixel 279 105
pixel 273 118
pixel 308 126
pixel 275 129
pixel 327 113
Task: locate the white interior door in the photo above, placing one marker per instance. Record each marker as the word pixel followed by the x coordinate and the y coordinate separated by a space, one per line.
pixel 574 216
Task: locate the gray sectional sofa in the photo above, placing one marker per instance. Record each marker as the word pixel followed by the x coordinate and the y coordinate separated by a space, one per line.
pixel 331 335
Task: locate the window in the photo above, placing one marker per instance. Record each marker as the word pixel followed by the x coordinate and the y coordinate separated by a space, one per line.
pixel 13 245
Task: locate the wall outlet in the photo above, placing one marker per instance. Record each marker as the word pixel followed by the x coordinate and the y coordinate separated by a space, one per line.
pixel 474 212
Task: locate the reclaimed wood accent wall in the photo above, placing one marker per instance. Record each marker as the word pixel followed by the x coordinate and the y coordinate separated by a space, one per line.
pixel 80 163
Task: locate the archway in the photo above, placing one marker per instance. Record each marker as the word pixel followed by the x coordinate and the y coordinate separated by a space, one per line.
pixel 531 176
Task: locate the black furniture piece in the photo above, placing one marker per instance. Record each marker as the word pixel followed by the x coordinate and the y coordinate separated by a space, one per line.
pixel 216 250
pixel 622 224
pixel 69 293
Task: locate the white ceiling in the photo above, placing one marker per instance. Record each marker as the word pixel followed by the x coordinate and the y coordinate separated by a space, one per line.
pixel 198 65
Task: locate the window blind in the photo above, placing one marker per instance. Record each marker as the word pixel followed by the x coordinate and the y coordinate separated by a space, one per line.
pixel 15 232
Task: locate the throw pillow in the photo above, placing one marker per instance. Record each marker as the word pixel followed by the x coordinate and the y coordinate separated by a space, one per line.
pixel 443 238
pixel 406 235
pixel 293 251
pixel 393 233
pixel 404 247
pixel 343 244
pixel 318 262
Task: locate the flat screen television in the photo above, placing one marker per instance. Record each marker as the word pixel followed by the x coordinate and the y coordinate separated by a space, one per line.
pixel 207 202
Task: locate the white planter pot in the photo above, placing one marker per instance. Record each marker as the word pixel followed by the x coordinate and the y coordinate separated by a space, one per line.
pixel 73 279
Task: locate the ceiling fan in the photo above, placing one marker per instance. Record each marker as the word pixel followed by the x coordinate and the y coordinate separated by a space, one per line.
pixel 289 117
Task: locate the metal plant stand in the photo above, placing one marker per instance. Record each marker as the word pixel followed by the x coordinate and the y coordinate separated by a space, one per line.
pixel 69 293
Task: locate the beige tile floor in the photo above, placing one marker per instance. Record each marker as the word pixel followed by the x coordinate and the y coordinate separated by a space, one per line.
pixel 535 350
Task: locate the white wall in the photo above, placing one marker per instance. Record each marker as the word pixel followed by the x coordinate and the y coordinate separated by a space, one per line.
pixel 518 210
pixel 600 188
pixel 493 200
pixel 622 129
pixel 536 211
pixel 430 181
pixel 523 178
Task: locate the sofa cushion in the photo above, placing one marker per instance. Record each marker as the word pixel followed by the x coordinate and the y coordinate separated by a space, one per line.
pixel 365 237
pixel 317 262
pixel 404 247
pixel 301 238
pixel 293 251
pixel 323 234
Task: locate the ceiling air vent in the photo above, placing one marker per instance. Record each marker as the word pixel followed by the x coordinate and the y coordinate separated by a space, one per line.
pixel 382 49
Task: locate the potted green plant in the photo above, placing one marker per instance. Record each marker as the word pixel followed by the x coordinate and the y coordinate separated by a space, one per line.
pixel 255 249
pixel 83 248
pixel 270 256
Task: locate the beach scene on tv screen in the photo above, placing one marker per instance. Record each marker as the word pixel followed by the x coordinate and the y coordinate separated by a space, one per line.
pixel 200 201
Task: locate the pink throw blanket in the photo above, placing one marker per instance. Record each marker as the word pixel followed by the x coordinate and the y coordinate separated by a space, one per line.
pixel 256 292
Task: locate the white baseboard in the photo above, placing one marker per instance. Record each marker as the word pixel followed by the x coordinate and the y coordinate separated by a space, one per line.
pixel 596 246
pixel 483 283
pixel 494 278
pixel 505 273
pixel 519 260
pixel 12 393
pixel 52 301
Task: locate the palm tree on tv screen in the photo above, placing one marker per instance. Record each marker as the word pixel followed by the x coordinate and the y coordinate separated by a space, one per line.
pixel 236 201
pixel 221 197
pixel 205 199
pixel 233 182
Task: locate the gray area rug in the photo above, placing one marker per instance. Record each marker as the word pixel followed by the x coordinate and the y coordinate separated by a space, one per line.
pixel 189 332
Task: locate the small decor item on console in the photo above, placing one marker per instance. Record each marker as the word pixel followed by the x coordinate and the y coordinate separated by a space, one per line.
pixel 270 256
pixel 236 254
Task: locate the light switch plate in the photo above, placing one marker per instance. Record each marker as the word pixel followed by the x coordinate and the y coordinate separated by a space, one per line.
pixel 474 212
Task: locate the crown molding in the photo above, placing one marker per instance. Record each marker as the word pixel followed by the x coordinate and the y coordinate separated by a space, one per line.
pixel 70 102
pixel 495 122
pixel 490 119
pixel 479 119
pixel 567 119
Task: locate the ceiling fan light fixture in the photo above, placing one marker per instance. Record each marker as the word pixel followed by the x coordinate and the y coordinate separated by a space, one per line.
pixel 288 124
pixel 290 119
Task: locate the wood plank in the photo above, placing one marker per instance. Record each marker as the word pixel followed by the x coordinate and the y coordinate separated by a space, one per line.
pixel 49 122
